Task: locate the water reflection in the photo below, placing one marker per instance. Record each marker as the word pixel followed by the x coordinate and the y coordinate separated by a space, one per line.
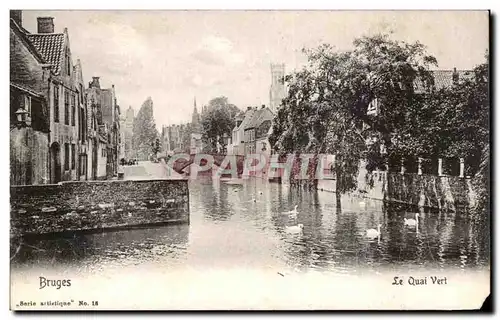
pixel 243 225
pixel 118 247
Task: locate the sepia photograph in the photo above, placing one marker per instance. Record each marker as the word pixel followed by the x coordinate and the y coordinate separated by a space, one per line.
pixel 249 160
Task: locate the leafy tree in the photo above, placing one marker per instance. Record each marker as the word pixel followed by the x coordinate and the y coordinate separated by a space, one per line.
pixel 144 130
pixel 217 120
pixel 155 146
pixel 327 103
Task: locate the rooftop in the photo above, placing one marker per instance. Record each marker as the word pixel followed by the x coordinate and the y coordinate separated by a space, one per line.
pixel 51 48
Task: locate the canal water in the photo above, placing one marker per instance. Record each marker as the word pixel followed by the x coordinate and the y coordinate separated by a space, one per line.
pixel 244 227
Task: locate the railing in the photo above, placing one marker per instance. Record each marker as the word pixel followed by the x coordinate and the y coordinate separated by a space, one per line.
pixel 435 166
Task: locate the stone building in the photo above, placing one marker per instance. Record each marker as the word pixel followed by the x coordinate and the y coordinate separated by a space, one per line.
pixel 127 128
pixel 176 138
pixel 277 91
pixel 105 135
pixel 42 68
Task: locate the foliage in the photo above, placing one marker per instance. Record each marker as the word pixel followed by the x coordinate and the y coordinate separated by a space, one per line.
pixel 452 122
pixel 155 146
pixel 217 121
pixel 325 110
pixel 144 130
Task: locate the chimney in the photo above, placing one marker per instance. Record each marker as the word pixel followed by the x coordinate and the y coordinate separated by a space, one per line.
pixel 45 24
pixel 95 83
pixel 455 76
pixel 17 16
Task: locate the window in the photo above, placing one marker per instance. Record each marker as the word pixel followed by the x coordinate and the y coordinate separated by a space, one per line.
pixel 66 156
pixel 83 165
pixel 81 94
pixel 27 104
pixel 73 156
pixel 66 107
pixel 68 63
pixel 73 109
pixel 56 104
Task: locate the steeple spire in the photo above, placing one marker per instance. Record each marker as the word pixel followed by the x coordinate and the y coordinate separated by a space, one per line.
pixel 195 120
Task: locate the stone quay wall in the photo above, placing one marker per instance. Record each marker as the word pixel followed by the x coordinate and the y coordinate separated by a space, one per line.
pixel 439 192
pixel 92 206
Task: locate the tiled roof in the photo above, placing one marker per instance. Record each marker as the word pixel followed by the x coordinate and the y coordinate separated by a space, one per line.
pixel 247 118
pixel 51 47
pixel 443 79
pixel 22 33
pixel 259 116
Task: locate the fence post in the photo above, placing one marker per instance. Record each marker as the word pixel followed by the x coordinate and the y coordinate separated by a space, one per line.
pixel 462 167
pixel 440 167
pixel 402 166
pixel 419 166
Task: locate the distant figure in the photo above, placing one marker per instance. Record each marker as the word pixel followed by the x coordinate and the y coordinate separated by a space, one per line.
pixel 122 161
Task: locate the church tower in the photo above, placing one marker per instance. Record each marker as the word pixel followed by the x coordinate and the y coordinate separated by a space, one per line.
pixel 277 90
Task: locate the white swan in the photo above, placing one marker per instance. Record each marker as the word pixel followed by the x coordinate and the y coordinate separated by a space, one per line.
pixel 295 229
pixel 372 233
pixel 412 222
pixel 362 203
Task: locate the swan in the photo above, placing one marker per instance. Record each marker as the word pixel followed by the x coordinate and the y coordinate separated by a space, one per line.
pixel 412 222
pixel 372 233
pixel 295 229
pixel 362 203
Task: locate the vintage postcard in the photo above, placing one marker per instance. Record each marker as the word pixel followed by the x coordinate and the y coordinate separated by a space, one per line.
pixel 249 160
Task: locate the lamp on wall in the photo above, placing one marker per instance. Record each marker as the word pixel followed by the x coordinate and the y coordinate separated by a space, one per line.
pixel 22 118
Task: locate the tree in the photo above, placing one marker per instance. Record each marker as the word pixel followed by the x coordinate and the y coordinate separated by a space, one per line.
pixel 217 122
pixel 144 130
pixel 325 110
pixel 155 147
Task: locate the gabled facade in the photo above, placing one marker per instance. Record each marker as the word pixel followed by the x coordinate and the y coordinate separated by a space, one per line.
pixel 257 130
pixel 237 145
pixel 60 82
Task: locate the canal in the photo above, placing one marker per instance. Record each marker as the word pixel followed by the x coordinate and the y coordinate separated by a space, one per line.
pixel 241 232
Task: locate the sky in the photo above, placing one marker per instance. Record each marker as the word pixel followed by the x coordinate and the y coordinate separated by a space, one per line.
pixel 177 56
